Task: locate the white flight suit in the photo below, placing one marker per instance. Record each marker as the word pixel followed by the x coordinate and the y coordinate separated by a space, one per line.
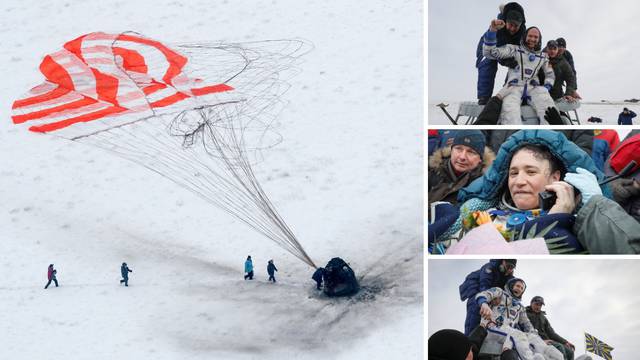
pixel 522 78
pixel 507 312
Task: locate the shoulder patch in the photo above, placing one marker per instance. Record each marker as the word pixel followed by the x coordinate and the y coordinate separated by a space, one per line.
pixel 488 270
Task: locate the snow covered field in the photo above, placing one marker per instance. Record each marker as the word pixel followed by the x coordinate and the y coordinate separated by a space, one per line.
pixel 608 112
pixel 347 178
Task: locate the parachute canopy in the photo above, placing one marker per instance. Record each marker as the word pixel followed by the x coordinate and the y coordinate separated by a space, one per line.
pixel 199 115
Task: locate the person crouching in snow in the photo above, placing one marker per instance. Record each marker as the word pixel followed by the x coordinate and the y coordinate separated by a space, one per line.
pixel 533 161
pixel 522 81
pixel 124 271
pixel 501 312
pixel 271 271
pixel 248 268
pixel 51 276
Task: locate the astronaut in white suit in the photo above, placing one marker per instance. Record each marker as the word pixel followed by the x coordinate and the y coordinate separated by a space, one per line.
pixel 522 81
pixel 502 312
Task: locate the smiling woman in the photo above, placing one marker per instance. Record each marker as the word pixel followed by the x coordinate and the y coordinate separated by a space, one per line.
pixel 532 165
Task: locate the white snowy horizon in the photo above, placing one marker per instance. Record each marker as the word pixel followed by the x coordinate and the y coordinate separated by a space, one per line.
pixel 594 295
pixel 346 179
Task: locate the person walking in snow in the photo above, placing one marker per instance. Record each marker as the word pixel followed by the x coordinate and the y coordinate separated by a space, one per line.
pixel 248 268
pixel 51 276
pixel 124 271
pixel 271 271
pixel 317 277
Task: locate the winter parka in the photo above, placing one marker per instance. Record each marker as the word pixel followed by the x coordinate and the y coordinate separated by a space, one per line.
pixel 443 182
pixel 540 323
pixel 487 277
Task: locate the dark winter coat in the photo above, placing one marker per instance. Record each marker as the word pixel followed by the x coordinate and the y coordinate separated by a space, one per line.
pixel 540 323
pixel 124 270
pixel 271 268
pixel 443 182
pixel 317 275
pixel 564 74
pixel 567 56
pixel 626 119
pixel 487 277
pixel 600 152
pixel 51 273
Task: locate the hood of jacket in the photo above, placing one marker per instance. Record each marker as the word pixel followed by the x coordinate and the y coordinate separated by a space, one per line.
pixel 491 185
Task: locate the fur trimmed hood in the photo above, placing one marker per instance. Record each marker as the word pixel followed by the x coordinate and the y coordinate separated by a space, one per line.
pixel 437 159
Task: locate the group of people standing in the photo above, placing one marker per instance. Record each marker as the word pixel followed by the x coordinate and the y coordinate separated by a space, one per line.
pixel 536 74
pixel 317 276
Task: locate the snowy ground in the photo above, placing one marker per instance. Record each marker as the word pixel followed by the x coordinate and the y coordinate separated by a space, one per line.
pixel 608 112
pixel 347 178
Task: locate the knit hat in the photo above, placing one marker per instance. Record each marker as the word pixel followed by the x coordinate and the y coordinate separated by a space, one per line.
pixel 514 17
pixel 561 42
pixel 471 138
pixel 552 44
pixel 537 299
pixel 449 344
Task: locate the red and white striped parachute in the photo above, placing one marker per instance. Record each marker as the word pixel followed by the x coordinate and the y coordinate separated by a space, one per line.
pixel 99 76
pixel 146 102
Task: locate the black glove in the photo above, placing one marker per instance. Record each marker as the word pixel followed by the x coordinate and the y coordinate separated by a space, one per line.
pixel 552 115
pixel 510 63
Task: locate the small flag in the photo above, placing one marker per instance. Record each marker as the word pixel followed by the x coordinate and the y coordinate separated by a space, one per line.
pixel 597 347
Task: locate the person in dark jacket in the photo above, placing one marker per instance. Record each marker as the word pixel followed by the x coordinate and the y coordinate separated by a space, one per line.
pixel 546 332
pixel 495 273
pixel 271 269
pixel 513 15
pixel 248 268
pixel 124 271
pixel 452 168
pixel 564 75
pixel 51 276
pixel 448 344
pixel 317 277
pixel 625 117
pixel 562 50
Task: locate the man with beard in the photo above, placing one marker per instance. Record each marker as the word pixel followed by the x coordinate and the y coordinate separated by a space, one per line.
pixel 523 85
pixel 513 15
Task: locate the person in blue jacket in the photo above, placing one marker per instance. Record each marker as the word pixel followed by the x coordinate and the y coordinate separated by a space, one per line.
pixel 495 273
pixel 317 276
pixel 625 117
pixel 124 271
pixel 248 268
pixel 582 216
pixel 513 15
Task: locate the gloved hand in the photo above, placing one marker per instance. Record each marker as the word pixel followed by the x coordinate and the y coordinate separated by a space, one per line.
pixel 624 189
pixel 552 115
pixel 548 87
pixel 584 181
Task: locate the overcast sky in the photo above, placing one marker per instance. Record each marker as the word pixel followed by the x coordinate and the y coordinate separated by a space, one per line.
pixel 599 296
pixel 603 36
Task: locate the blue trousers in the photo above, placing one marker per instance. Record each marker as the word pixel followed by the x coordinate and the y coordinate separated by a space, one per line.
pixel 473 316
